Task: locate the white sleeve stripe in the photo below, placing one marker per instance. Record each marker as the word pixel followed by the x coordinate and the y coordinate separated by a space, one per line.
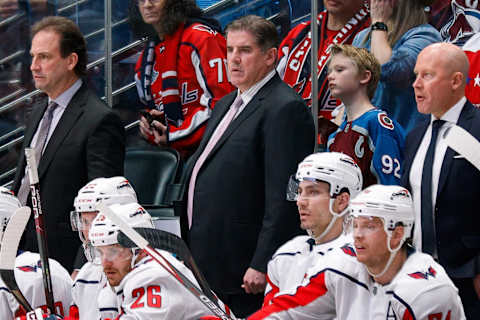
pixel 202 81
pixel 171 92
pixel 168 74
pixel 197 119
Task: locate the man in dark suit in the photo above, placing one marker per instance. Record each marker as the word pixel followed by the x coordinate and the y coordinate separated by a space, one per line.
pixel 76 138
pixel 236 206
pixel 445 186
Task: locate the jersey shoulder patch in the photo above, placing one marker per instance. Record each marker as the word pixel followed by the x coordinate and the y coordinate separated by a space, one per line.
pixel 348 250
pixel 385 121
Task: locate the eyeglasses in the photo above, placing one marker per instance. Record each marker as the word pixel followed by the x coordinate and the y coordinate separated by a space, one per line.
pixel 142 2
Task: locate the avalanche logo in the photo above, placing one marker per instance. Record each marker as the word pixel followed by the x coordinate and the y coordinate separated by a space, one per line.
pixel 385 121
pixel 424 275
pixel 349 250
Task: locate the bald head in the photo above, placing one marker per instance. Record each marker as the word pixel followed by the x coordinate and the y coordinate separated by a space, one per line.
pixel 449 56
pixel 441 76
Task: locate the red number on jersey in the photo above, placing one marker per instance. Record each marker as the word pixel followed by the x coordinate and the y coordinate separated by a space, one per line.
pixel 139 292
pixel 154 299
pixel 438 316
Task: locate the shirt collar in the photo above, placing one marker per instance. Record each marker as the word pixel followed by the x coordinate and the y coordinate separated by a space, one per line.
pixel 453 113
pixel 253 90
pixel 64 99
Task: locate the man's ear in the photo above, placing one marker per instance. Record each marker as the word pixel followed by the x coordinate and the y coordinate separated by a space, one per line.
pixel 397 236
pixel 72 61
pixel 342 201
pixel 271 56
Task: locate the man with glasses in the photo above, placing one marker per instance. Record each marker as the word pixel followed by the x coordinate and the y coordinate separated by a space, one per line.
pixel 322 188
pixel 380 276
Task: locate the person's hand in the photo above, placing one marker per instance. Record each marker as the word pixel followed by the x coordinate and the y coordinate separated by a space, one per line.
pixel 155 133
pixel 8 8
pixel 476 284
pixel 381 10
pixel 254 281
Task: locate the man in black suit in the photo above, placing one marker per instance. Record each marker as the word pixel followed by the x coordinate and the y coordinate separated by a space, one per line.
pixel 236 206
pixel 445 186
pixel 77 137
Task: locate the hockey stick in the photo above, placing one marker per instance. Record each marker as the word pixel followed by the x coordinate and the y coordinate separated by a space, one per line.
pixel 142 243
pixel 461 141
pixel 8 253
pixel 40 227
pixel 167 241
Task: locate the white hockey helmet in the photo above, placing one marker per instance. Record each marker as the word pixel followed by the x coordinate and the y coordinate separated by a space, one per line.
pixel 101 190
pixel 103 231
pixel 8 204
pixel 339 170
pixel 393 204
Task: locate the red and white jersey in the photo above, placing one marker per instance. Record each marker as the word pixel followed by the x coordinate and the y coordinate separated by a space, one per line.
pixel 150 292
pixel 86 288
pixel 290 263
pixel 340 286
pixel 29 277
pixel 472 50
pixel 202 81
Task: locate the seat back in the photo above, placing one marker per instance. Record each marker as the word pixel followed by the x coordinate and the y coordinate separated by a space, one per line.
pixel 151 172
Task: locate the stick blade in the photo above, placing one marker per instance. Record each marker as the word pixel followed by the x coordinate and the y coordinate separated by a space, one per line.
pixel 461 141
pixel 11 237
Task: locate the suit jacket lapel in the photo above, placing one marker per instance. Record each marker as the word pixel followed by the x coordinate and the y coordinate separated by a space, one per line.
pixel 249 109
pixel 414 139
pixel 65 124
pixel 464 121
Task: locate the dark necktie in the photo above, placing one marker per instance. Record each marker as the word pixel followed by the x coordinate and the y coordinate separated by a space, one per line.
pixel 429 241
pixel 42 137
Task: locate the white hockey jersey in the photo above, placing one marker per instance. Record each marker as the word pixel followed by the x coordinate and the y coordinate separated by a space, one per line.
pixel 290 263
pixel 28 275
pixel 150 292
pixel 339 286
pixel 86 289
pixel 107 303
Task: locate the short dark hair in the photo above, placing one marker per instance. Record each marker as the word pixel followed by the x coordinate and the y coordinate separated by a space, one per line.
pixel 174 12
pixel 264 31
pixel 71 39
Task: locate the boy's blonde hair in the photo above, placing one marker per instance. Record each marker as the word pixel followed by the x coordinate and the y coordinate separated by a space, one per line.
pixel 364 60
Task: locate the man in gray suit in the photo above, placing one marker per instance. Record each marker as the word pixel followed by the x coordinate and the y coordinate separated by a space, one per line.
pixel 236 207
pixel 76 137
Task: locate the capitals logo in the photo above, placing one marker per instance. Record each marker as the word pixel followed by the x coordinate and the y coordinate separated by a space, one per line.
pixel 31 268
pixel 347 249
pixel 424 275
pixel 400 194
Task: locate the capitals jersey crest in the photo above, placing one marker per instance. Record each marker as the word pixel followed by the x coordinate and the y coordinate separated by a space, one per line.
pixel 472 50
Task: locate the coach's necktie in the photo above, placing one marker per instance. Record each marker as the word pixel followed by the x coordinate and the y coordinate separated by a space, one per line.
pixel 222 126
pixel 429 241
pixel 42 137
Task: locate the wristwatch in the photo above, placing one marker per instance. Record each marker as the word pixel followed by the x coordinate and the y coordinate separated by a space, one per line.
pixel 379 26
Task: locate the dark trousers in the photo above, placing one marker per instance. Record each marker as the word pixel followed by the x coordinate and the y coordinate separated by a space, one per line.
pixel 243 304
pixel 470 301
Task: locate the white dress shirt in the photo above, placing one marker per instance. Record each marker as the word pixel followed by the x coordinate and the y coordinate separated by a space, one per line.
pixel 451 118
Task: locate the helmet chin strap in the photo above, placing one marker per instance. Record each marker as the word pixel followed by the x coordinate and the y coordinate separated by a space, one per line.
pixel 393 253
pixel 335 217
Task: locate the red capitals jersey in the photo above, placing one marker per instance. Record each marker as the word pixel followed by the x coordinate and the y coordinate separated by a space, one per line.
pixel 472 49
pixel 202 81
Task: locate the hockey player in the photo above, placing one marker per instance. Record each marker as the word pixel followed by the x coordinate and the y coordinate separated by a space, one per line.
pixel 28 273
pixel 144 289
pixel 90 279
pixel 380 277
pixel 322 188
pixel 366 134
